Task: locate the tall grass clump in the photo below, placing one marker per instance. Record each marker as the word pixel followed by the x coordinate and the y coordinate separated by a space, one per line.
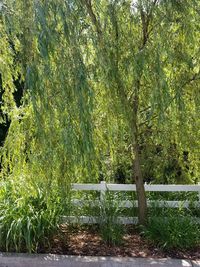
pixel 110 228
pixel 27 220
pixel 173 229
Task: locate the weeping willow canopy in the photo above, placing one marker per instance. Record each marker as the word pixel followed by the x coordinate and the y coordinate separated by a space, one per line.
pixel 98 78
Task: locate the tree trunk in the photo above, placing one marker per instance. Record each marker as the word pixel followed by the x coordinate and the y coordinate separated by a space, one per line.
pixel 141 196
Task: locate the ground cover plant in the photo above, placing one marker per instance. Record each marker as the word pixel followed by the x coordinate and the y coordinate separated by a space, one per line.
pixel 97 91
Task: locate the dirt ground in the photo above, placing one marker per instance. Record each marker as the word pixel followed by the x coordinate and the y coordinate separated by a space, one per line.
pixel 87 241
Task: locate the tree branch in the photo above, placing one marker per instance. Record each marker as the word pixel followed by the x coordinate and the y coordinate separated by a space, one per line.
pixel 93 18
pixel 146 19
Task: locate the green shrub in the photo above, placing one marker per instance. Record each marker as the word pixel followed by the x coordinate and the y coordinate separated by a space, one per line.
pixel 173 230
pixel 27 222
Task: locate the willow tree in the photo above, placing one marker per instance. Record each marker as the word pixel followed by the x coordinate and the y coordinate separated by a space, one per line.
pixel 142 55
pixel 147 57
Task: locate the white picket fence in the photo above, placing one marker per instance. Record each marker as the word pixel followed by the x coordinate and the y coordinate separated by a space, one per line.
pixel 103 187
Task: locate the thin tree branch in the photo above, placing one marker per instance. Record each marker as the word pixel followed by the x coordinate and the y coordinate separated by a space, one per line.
pixel 146 19
pixel 96 23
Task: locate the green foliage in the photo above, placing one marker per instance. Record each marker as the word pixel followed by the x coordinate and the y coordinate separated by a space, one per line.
pixel 26 221
pixel 97 78
pixel 79 86
pixel 173 229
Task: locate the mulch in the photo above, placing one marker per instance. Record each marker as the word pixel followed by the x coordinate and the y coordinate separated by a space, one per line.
pixel 87 242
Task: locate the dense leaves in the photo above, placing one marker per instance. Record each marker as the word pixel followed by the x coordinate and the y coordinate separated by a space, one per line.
pixel 103 82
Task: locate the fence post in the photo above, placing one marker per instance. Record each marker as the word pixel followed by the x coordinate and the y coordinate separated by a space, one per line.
pixel 199 194
pixel 103 190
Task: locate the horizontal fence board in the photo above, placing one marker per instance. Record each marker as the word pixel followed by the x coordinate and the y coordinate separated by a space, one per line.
pixel 172 188
pixel 172 204
pixel 96 220
pixel 131 204
pixel 87 187
pixel 121 187
pixel 132 187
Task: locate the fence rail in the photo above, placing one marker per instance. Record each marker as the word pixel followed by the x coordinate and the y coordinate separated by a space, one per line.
pixel 103 187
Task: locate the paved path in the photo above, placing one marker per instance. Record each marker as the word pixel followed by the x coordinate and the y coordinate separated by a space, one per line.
pixel 49 260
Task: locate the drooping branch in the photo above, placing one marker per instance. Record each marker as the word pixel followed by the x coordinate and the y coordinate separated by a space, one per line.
pixel 146 19
pixel 194 78
pixel 96 23
pixel 117 77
